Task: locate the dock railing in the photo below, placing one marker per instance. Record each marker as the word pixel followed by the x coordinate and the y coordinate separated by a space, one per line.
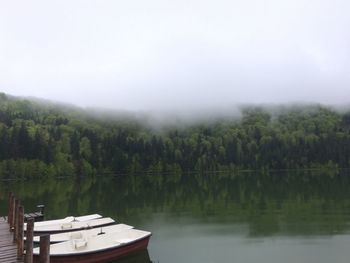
pixel 15 219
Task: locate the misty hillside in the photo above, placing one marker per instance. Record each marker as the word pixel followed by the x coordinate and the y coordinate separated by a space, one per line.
pixel 44 139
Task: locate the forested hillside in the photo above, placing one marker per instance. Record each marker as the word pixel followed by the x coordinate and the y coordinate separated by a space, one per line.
pixel 43 139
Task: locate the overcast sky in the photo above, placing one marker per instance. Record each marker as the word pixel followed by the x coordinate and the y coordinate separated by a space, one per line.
pixel 183 54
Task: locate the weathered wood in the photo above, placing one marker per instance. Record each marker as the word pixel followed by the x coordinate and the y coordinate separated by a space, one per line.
pixel 44 249
pixel 9 208
pixel 15 228
pixel 12 222
pixel 29 241
pixel 8 250
pixel 20 232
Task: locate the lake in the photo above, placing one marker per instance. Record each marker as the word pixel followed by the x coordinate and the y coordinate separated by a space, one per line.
pixel 217 217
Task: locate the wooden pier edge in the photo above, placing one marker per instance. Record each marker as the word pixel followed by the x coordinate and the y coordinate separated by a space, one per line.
pixel 10 209
pixel 29 241
pixel 20 232
pixel 12 213
pixel 12 235
pixel 15 225
pixel 44 256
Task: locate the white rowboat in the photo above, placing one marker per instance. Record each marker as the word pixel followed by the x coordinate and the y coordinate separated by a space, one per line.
pixel 67 219
pixel 71 226
pixel 87 234
pixel 101 248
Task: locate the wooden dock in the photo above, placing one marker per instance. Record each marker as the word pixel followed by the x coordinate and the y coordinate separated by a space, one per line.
pixel 12 235
pixel 8 249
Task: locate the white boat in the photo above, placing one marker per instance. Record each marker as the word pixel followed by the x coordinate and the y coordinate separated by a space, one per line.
pixel 66 236
pixel 98 249
pixel 67 219
pixel 71 226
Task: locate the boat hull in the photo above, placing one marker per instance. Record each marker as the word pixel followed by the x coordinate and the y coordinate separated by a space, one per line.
pixel 99 256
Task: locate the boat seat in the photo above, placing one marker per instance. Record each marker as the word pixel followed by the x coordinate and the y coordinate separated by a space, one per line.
pixel 79 243
pixel 66 226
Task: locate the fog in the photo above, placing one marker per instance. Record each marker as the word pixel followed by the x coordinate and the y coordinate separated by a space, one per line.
pixel 176 56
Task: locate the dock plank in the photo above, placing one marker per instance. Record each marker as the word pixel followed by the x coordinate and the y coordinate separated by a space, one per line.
pixel 8 250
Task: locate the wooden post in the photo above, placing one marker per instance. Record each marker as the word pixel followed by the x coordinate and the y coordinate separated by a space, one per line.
pixel 29 240
pixel 44 255
pixel 20 226
pixel 9 208
pixel 10 212
pixel 15 228
pixel 12 222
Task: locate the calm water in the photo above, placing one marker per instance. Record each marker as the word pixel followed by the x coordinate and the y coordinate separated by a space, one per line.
pixel 212 218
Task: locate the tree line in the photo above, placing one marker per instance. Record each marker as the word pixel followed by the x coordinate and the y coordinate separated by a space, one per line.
pixel 44 139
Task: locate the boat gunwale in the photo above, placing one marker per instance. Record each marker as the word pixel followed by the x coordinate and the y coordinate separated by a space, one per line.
pixel 41 233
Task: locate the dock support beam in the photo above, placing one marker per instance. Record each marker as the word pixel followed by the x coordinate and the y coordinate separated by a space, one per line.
pixel 20 232
pixel 10 209
pixel 44 249
pixel 15 225
pixel 13 205
pixel 29 241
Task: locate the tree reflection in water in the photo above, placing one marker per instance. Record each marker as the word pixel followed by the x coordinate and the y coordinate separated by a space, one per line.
pixel 291 203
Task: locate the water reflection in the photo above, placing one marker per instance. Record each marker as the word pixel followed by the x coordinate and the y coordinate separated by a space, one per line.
pixel 269 203
pixel 180 209
pixel 141 256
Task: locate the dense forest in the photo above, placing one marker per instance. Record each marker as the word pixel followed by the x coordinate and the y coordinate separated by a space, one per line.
pixel 46 139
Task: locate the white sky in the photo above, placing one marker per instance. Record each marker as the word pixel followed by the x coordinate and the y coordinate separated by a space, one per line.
pixel 142 55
